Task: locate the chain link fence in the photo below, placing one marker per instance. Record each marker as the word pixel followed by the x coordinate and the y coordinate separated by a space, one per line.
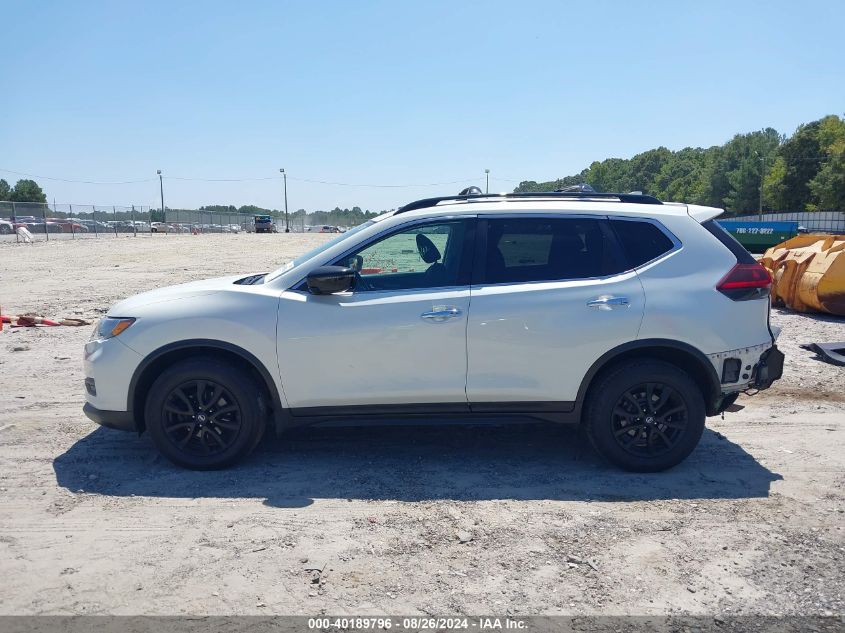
pixel 46 222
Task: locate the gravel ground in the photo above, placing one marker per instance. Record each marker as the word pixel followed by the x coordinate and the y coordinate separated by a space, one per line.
pixel 447 520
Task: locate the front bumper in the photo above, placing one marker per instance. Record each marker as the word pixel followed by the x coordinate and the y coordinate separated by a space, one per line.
pixel 109 366
pixel 120 420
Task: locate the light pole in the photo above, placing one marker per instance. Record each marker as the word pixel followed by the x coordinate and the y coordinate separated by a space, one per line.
pixel 287 224
pixel 487 176
pixel 762 179
pixel 161 189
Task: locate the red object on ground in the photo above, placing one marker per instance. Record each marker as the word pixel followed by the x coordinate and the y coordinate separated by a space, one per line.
pixel 28 321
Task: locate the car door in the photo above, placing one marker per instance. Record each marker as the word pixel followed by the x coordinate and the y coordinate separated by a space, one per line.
pixel 395 342
pixel 550 295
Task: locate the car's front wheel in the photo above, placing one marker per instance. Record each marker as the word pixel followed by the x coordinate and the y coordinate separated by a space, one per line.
pixel 645 415
pixel 205 414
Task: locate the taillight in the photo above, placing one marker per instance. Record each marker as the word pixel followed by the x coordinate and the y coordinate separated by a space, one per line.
pixel 745 281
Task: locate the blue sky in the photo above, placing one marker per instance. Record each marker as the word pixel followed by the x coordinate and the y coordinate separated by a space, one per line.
pixel 390 93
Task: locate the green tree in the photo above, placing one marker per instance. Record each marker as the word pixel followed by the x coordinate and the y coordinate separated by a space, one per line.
pixel 801 154
pixel 251 209
pixel 5 190
pixel 27 191
pixel 736 174
pixel 828 185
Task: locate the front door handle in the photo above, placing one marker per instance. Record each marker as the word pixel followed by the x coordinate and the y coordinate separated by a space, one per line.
pixel 609 303
pixel 442 313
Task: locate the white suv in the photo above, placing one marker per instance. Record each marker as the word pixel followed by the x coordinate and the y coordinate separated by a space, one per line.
pixel 632 317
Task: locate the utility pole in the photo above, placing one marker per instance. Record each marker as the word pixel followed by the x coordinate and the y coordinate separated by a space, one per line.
pixel 287 224
pixel 487 175
pixel 762 178
pixel 161 188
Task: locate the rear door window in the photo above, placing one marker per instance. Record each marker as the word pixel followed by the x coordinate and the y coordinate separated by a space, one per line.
pixel 521 250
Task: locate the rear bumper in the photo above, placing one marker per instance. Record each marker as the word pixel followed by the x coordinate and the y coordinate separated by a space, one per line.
pixel 120 420
pixel 769 369
pixel 756 367
pixel 763 373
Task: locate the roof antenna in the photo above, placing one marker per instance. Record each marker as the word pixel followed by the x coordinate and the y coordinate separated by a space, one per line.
pixel 471 191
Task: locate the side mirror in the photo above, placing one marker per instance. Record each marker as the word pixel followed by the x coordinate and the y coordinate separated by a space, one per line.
pixel 327 280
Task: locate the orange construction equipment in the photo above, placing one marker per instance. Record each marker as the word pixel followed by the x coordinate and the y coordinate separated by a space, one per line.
pixel 808 273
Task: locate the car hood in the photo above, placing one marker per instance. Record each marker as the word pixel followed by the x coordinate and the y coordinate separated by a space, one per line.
pixel 127 307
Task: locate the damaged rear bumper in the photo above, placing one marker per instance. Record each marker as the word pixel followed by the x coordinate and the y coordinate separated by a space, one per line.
pixel 755 367
pixel 769 369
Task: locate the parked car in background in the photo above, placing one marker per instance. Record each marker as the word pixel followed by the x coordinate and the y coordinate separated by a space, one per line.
pixel 95 227
pixel 69 225
pixel 158 227
pixel 324 228
pixel 36 225
pixel 6 227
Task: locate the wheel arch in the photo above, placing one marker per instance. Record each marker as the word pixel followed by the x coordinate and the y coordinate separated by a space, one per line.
pixel 683 355
pixel 155 362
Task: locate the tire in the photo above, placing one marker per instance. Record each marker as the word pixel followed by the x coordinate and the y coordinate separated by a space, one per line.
pixel 205 414
pixel 634 435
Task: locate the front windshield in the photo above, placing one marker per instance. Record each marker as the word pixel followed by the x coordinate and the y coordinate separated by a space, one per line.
pixel 316 251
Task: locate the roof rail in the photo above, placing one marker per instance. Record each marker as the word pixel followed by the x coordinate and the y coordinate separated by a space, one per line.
pixel 629 198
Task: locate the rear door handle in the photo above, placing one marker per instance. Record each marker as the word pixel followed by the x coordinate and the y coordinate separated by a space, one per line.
pixel 609 303
pixel 442 313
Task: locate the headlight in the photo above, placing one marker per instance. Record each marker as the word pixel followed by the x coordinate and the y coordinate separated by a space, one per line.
pixel 109 327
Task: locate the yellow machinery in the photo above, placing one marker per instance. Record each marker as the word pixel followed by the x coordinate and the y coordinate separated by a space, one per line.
pixel 808 272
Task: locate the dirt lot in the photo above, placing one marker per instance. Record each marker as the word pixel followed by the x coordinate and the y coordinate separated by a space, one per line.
pixel 93 522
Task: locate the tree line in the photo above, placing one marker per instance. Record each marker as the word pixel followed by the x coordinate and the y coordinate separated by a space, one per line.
pixel 801 172
pixel 23 191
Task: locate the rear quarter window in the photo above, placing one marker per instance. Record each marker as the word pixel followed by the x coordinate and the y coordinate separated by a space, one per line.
pixel 641 241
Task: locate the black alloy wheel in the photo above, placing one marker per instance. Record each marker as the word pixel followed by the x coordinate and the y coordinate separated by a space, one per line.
pixel 201 417
pixel 205 413
pixel 644 415
pixel 649 419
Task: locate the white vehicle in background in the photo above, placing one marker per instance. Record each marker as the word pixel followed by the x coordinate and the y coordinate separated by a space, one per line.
pixel 634 318
pixel 158 227
pixel 324 228
pixel 6 227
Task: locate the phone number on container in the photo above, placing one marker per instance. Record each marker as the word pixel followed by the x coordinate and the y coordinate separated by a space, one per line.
pixel 388 623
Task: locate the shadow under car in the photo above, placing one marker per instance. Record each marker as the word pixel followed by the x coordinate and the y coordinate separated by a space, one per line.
pixel 412 463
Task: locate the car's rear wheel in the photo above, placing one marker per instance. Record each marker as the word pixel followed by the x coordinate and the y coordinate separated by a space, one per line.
pixel 645 415
pixel 205 414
